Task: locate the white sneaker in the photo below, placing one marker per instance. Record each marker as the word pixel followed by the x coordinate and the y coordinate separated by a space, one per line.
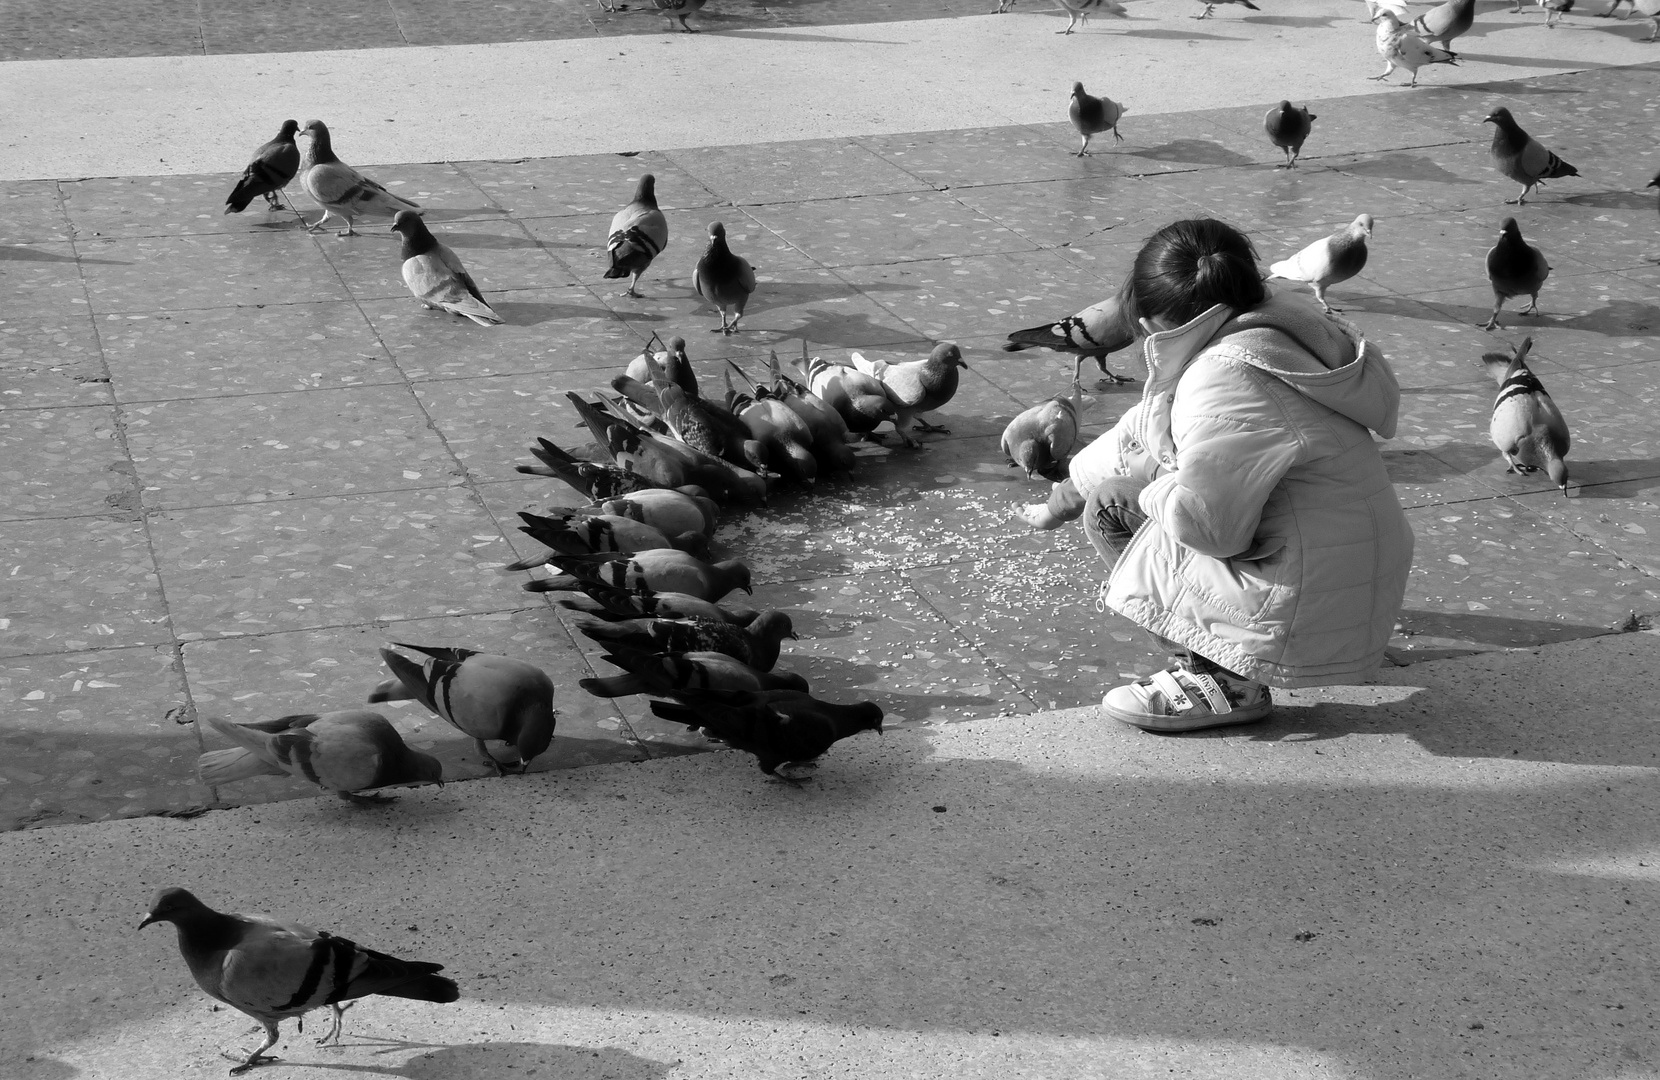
pixel 1181 699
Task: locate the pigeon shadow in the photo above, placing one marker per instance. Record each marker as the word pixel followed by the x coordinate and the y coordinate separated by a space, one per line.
pixel 749 34
pixel 1319 21
pixel 1195 151
pixel 489 1060
pixel 458 214
pixel 10 253
pixel 522 313
pixel 1612 200
pixel 1621 318
pixel 1613 478
pixel 1520 61
pixel 1178 35
pixel 489 241
pixel 1498 631
pixel 1403 166
pixel 836 330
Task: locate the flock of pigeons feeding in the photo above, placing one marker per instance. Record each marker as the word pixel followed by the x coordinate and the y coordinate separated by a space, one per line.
pixel 633 560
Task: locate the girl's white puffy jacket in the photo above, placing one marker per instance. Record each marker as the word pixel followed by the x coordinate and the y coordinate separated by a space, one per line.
pixel 1275 545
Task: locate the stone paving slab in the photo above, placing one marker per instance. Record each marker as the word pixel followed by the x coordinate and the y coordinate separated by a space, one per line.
pixel 234 442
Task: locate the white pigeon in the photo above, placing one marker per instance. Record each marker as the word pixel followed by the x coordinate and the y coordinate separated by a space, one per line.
pixel 1396 8
pixel 1400 47
pixel 1326 262
pixel 435 275
pixel 1554 10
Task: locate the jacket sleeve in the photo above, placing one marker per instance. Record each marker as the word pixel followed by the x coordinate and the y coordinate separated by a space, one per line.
pixel 1233 448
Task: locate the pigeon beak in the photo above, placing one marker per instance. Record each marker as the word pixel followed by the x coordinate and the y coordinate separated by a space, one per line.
pixel 148 919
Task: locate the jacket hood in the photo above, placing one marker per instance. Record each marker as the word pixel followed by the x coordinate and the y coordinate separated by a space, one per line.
pixel 1321 356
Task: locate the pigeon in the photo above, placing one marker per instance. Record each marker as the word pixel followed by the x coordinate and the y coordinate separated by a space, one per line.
pixel 916 387
pixel 672 365
pixel 785 730
pixel 1324 263
pixel 1039 440
pixel 1210 6
pixel 1446 21
pixel 339 189
pixel 1527 427
pixel 756 644
pixel 1095 332
pixel 724 279
pixel 1400 47
pixel 1079 11
pixel 274 970
pixel 667 673
pixel 597 480
pixel 1655 183
pixel 779 429
pixel 650 571
pixel 638 234
pixel 701 424
pixel 1516 268
pixel 1554 10
pixel 667 460
pixel 1648 8
pixel 434 273
pixel 569 532
pixel 273 166
pixel 345 752
pixel 827 431
pixel 610 602
pixel 1521 157
pixel 860 399
pixel 482 695
pixel 1396 8
pixel 669 512
pixel 1092 115
pixel 1288 128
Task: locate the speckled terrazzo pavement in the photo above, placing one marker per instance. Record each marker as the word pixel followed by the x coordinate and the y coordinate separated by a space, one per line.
pixel 237 457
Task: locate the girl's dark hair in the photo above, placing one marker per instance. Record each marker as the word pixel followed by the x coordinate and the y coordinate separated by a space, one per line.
pixel 1188 267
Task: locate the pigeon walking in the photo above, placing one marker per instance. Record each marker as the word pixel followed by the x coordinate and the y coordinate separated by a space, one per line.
pixel 339 189
pixel 1211 5
pixel 346 752
pixel 1326 262
pixel 916 387
pixel 1554 10
pixel 274 970
pixel 1446 22
pixel 1400 47
pixel 724 279
pixel 1288 127
pixel 1079 11
pixel 1092 115
pixel 1521 157
pixel 638 234
pixel 273 166
pixel 1516 268
pixel 668 673
pixel 1093 333
pixel 480 694
pixel 757 644
pixel 1527 427
pixel 435 275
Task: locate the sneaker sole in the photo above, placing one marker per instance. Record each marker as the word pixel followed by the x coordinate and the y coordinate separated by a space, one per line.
pixel 1172 724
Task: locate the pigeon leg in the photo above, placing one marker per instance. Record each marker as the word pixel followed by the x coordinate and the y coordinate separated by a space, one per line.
pixel 684 29
pixel 923 425
pixel 1520 199
pixel 1386 71
pixel 1320 295
pixel 1084 149
pixel 1116 137
pixel 348 230
pixel 258 1057
pixel 1533 308
pixel 484 751
pixel 1493 323
pixel 358 799
pixel 333 1033
pixel 634 284
pixel 792 771
pixel 1206 13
